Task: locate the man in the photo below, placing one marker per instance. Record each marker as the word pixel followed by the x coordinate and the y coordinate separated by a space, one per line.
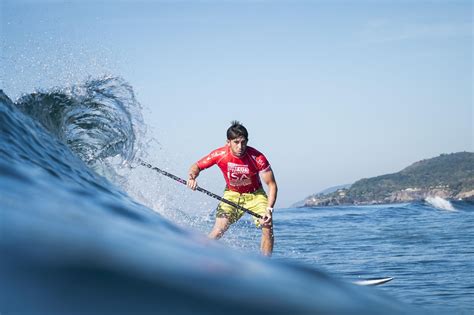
pixel 243 168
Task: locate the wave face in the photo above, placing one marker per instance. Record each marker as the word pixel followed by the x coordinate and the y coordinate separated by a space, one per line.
pixel 74 243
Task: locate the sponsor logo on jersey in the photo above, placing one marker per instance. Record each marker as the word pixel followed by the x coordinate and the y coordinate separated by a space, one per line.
pixel 238 174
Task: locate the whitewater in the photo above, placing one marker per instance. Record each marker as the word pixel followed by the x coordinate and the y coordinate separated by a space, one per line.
pixel 82 234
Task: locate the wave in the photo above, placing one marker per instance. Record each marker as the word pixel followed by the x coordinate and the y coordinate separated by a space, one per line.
pixel 72 242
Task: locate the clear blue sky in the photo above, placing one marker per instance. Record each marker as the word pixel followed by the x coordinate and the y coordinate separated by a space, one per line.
pixel 331 91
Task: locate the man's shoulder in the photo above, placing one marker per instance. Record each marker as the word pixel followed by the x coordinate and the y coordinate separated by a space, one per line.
pixel 212 158
pixel 219 152
pixel 253 152
pixel 260 159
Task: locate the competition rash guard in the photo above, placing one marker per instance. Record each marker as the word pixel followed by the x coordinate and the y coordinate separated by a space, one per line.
pixel 241 173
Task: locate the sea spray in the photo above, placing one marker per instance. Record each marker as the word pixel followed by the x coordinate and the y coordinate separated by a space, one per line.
pixel 101 121
pixel 440 203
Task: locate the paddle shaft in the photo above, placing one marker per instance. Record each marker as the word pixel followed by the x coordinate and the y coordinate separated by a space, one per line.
pixel 207 192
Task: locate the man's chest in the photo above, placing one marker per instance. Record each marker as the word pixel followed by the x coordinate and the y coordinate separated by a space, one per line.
pixel 240 169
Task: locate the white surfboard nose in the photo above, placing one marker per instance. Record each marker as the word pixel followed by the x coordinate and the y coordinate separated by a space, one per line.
pixel 374 281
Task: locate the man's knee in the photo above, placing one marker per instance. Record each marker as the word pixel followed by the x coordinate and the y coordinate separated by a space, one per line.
pixel 220 227
pixel 216 233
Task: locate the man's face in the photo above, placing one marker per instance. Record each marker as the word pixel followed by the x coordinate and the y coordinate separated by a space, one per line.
pixel 238 146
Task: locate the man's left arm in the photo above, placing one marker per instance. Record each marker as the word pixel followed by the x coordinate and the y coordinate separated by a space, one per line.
pixel 269 178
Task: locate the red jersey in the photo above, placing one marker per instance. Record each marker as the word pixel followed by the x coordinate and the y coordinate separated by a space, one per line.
pixel 241 173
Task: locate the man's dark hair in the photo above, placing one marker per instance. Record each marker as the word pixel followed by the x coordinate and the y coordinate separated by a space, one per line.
pixel 237 130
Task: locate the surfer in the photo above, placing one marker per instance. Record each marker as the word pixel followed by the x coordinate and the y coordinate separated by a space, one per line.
pixel 243 168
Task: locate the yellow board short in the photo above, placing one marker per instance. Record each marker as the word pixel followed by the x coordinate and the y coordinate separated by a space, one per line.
pixel 256 202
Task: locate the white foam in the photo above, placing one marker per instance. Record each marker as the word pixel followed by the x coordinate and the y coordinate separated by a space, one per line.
pixel 440 203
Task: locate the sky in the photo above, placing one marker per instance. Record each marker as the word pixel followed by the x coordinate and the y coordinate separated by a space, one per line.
pixel 330 91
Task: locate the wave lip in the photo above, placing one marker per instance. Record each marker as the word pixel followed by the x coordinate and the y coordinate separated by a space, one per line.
pixel 98 119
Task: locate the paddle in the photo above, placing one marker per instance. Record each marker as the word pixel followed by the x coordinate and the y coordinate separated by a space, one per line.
pixel 207 192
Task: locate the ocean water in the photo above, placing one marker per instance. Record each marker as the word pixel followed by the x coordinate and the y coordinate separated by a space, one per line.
pixel 429 251
pixel 427 247
pixel 80 233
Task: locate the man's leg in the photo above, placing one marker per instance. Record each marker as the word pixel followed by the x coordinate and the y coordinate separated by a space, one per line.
pixel 258 203
pixel 266 245
pixel 221 225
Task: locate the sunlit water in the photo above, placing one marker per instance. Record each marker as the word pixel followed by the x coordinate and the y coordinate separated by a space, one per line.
pixel 429 251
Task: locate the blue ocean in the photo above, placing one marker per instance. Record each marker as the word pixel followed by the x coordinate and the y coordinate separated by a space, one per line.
pixel 80 233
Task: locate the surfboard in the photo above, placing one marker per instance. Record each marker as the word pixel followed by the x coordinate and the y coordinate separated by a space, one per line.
pixel 373 281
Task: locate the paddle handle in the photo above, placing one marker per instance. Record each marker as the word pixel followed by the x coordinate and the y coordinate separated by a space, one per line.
pixel 207 192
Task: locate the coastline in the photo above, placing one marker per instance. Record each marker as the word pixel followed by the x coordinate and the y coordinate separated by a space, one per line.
pixel 341 197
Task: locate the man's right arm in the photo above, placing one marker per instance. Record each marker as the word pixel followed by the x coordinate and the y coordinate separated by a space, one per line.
pixel 194 171
pixel 204 163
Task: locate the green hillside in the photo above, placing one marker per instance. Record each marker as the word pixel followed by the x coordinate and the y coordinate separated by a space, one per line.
pixel 448 175
pixel 453 171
